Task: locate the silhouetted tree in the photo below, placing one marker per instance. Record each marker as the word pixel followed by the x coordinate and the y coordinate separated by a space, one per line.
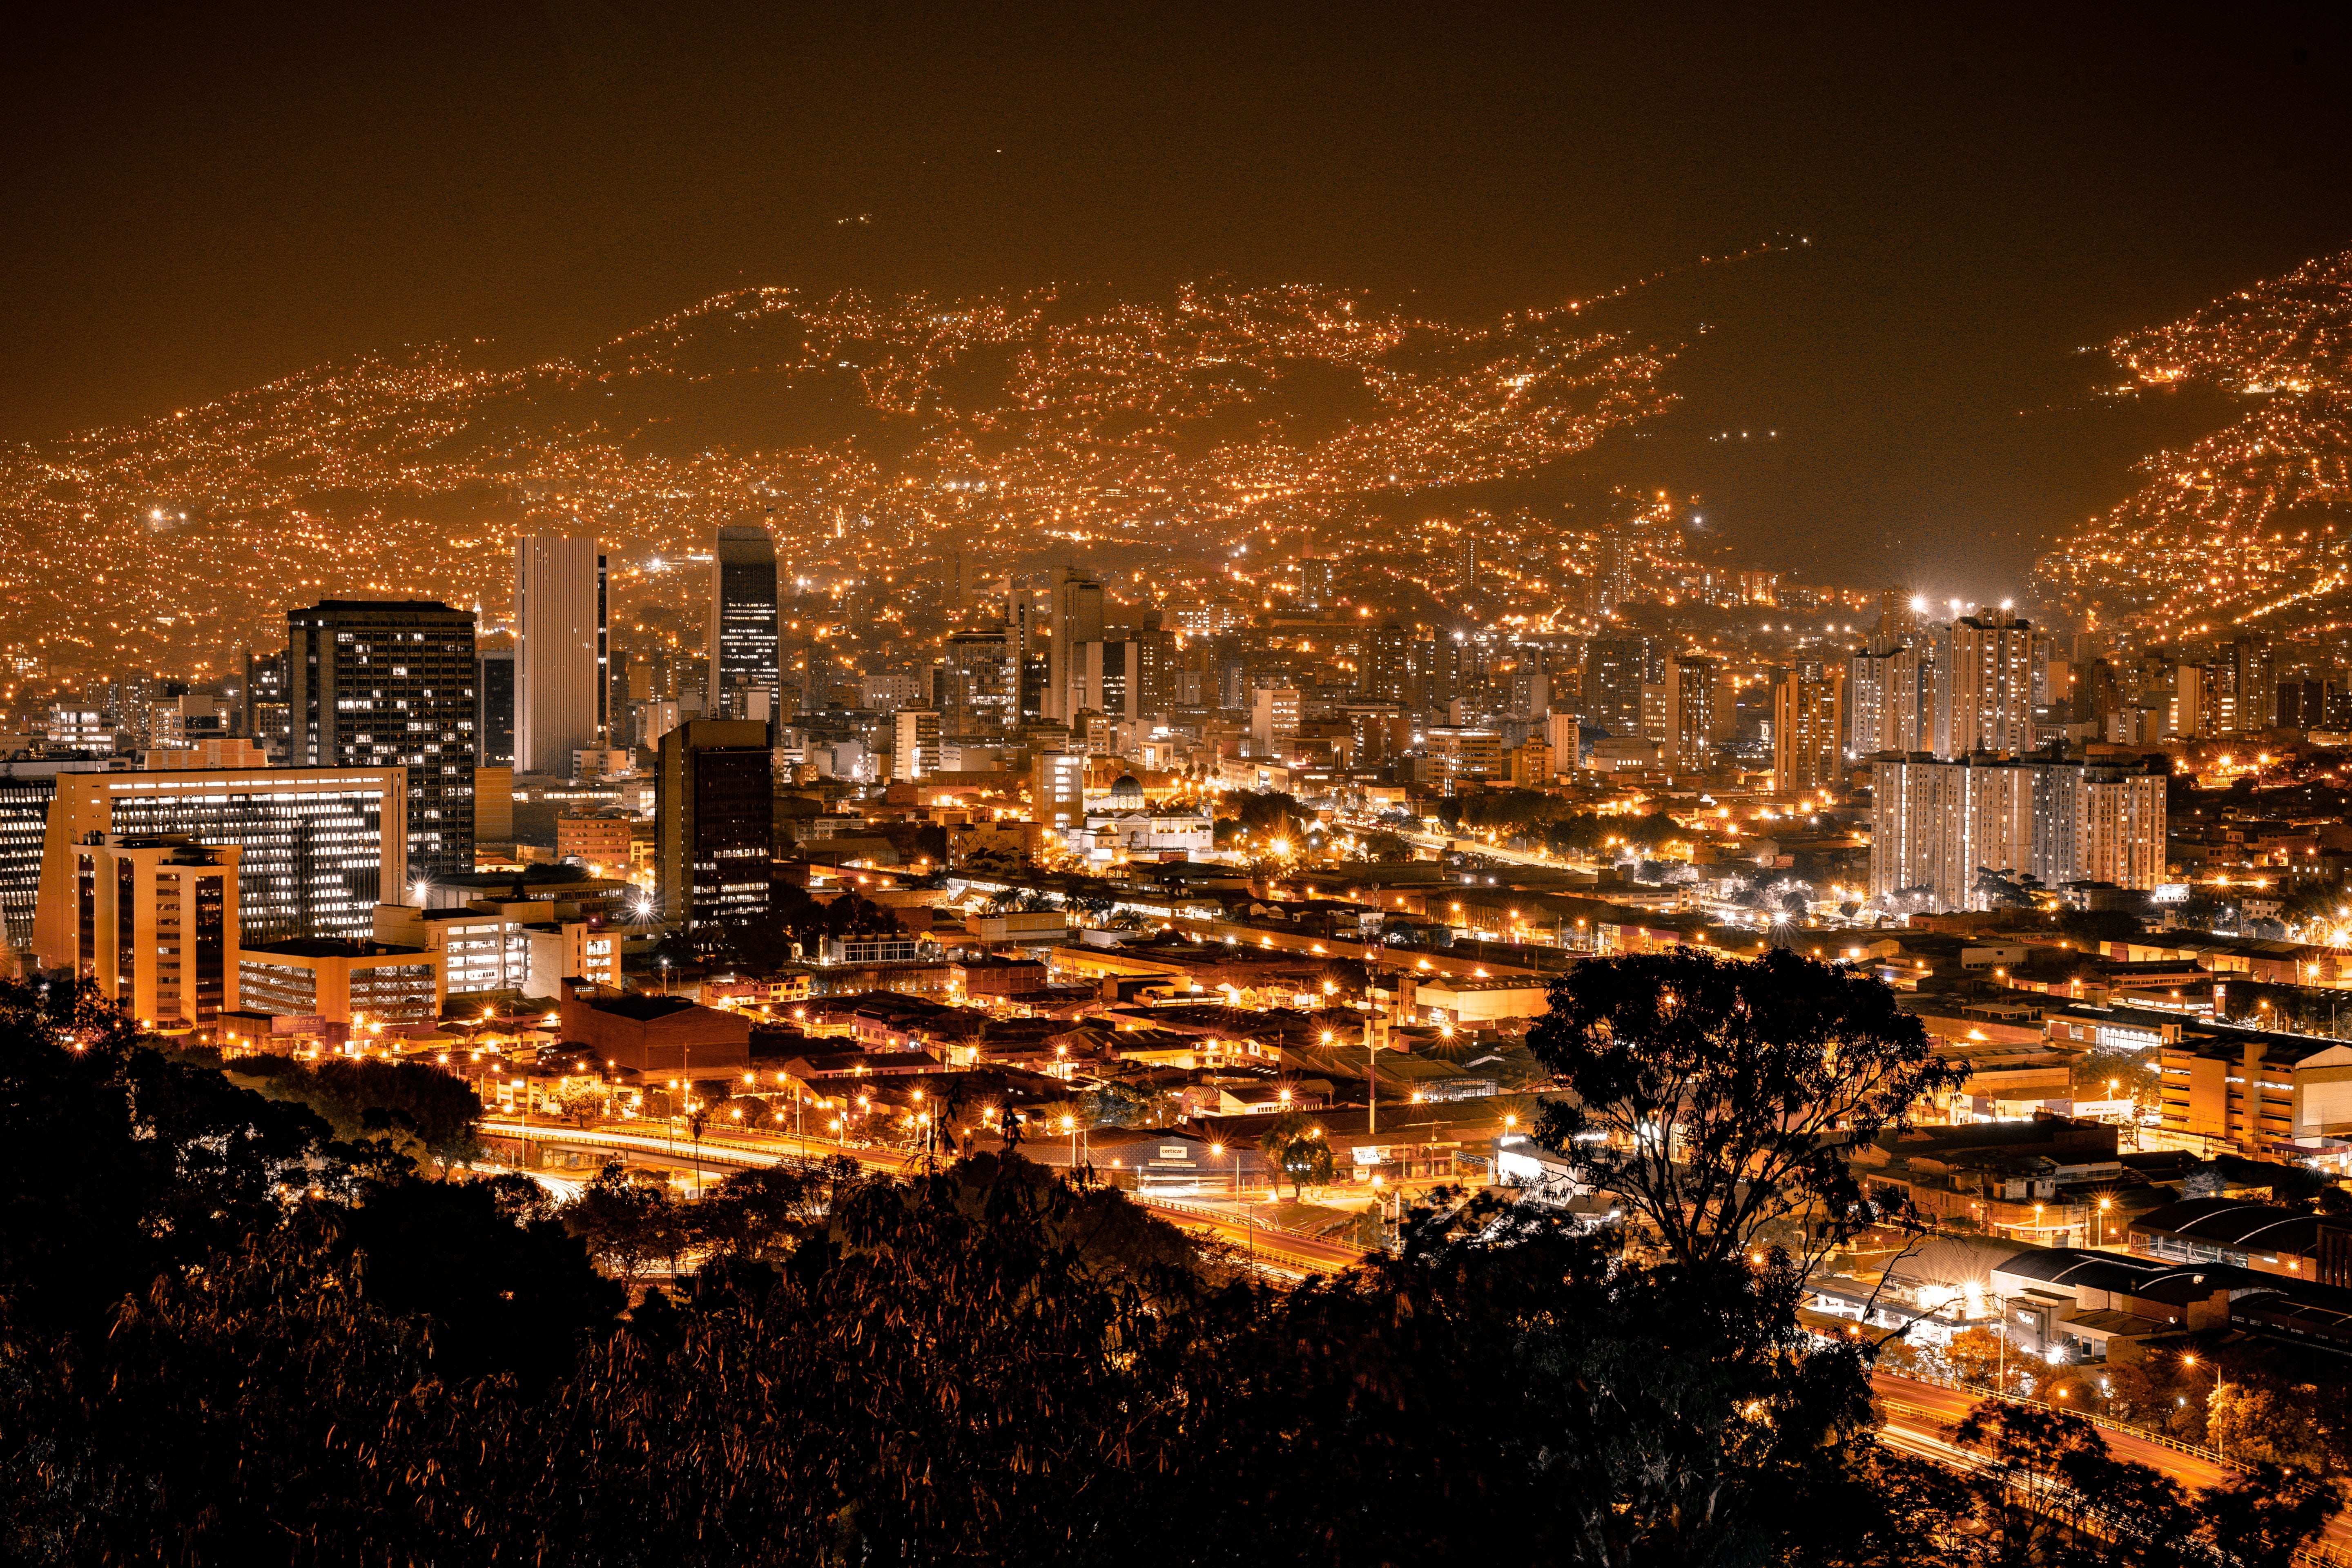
pixel 1707 1091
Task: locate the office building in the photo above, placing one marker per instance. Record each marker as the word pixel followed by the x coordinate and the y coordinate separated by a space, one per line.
pixel 914 743
pixel 264 700
pixel 2302 705
pixel 27 791
pixel 380 684
pixel 745 679
pixel 975 685
pixel 492 946
pixel 714 821
pixel 1463 753
pixel 494 708
pixel 1273 721
pixel 1076 610
pixel 483 947
pixel 563 662
pixel 155 925
pixel 321 846
pixel 1808 734
pixel 342 981
pixel 1057 782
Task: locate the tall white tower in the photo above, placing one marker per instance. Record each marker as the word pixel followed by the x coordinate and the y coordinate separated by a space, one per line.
pixel 562 654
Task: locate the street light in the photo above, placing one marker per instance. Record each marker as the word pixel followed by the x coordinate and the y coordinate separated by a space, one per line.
pixel 2105 1204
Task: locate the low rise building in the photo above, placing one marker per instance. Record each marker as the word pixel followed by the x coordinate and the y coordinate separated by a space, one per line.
pixel 342 981
pixel 650 1034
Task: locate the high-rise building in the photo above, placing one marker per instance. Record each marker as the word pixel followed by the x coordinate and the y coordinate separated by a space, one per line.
pixel 494 708
pixel 1315 589
pixel 1273 720
pixel 1808 726
pixel 321 846
pixel 1387 654
pixel 2303 705
pixel 156 924
pixel 379 683
pixel 2248 689
pixel 1078 619
pixel 264 700
pixel 1690 711
pixel 2121 824
pixel 2194 709
pixel 562 652
pixel 714 811
pixel 1057 782
pixel 27 789
pixel 976 684
pixel 1997 678
pixel 743 649
pixel 1615 674
pixel 1465 753
pixel 1936 824
pixel 915 743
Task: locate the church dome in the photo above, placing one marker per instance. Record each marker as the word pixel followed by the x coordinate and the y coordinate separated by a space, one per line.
pixel 1126 791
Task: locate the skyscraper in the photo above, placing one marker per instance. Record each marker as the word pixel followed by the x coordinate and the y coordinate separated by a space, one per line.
pixel 1078 619
pixel 494 708
pixel 2247 698
pixel 743 659
pixel 714 815
pixel 385 683
pixel 562 652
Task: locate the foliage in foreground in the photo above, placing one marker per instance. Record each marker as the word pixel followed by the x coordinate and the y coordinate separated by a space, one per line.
pixel 226 1337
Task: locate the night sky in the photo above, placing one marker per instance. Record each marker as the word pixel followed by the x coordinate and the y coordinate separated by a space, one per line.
pixel 209 198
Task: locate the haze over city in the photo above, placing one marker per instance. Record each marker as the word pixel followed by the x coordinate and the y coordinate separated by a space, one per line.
pixel 1330 784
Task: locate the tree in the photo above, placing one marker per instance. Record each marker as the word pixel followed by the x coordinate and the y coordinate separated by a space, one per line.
pixel 626 1224
pixel 439 1113
pixel 1976 1354
pixel 1297 1149
pixel 119 1163
pixel 1717 1096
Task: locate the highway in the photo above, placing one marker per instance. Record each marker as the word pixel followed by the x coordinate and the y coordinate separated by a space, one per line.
pixel 1919 1418
pixel 1281 1252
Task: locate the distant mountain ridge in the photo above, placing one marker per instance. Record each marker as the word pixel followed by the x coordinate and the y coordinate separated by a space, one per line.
pixel 2247 526
pixel 874 433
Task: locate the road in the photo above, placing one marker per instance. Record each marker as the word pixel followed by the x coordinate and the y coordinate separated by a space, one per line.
pixel 1920 1416
pixel 1283 1251
pixel 1467 845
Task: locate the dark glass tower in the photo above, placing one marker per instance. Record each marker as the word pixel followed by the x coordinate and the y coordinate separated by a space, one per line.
pixel 742 622
pixel 494 687
pixel 386 682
